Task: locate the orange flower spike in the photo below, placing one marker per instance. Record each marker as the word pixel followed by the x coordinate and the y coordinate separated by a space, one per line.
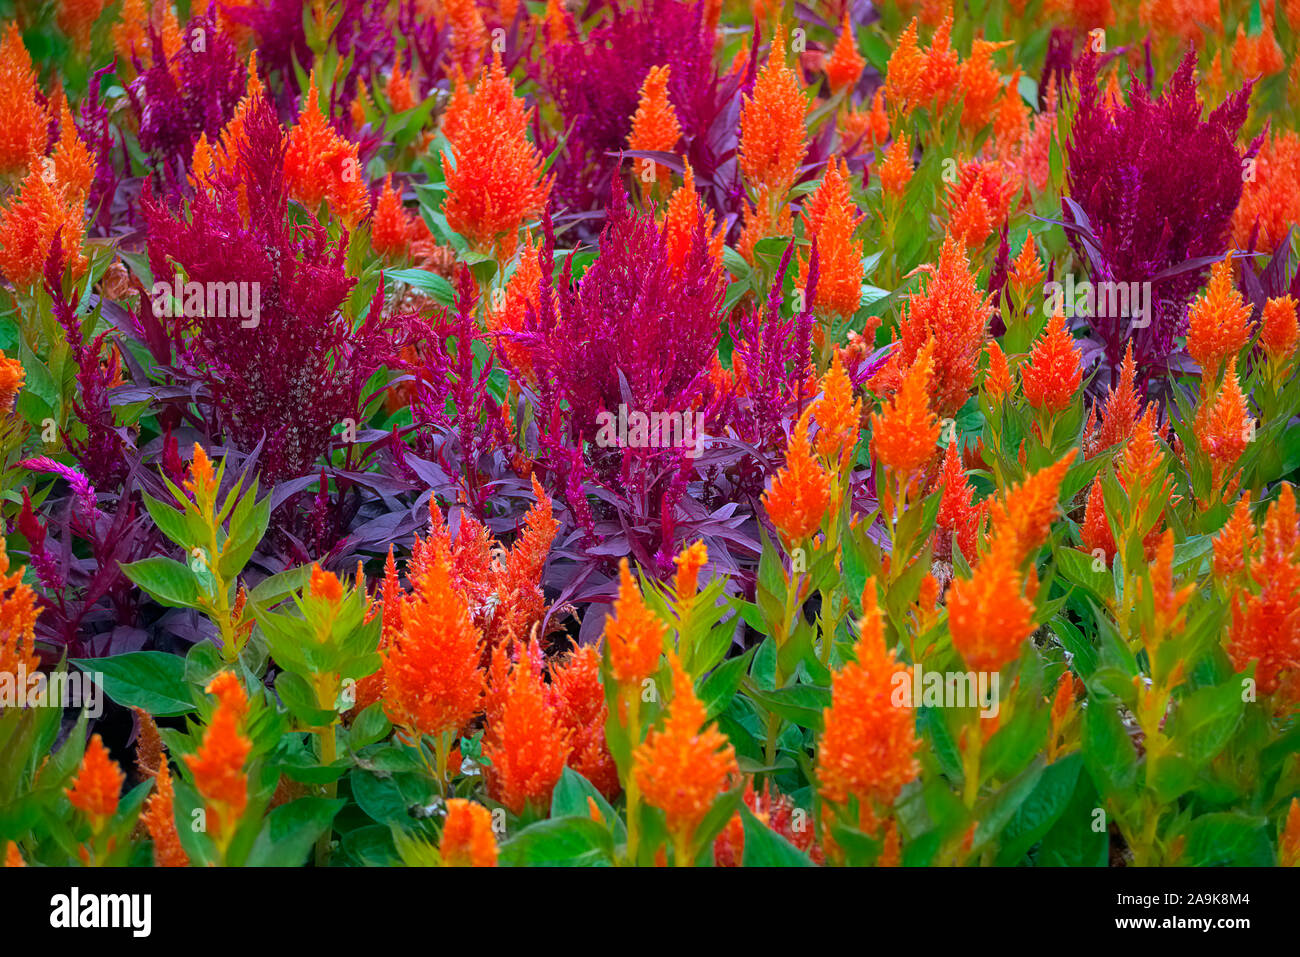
pixel 522 292
pixel 24 130
pixel 833 190
pixel 218 765
pixel 682 221
pixel 904 74
pixel 772 124
pixel 579 699
pixel 838 416
pixel 989 614
pixel 896 170
pixel 1011 122
pixel 654 125
pixel 980 84
pixel 844 67
pixel 1052 376
pixel 997 377
pixel 74 168
pixel 942 68
pixel 467 837
pixel 1232 544
pixel 433 682
pixel 1288 847
pixel 76 17
pixel 1279 331
pixel 29 224
pixel 202 479
pixel 1225 428
pixel 799 494
pixel 683 766
pixel 868 746
pixel 1119 416
pixel 1169 602
pixel 689 562
pixel 1095 533
pixel 529 747
pixel 389 229
pixel 497 181
pixel 1218 323
pixel 159 819
pixel 831 221
pixel 1026 271
pixel 905 432
pixel 1024 512
pixel 320 166
pixel 97 787
pixel 401 95
pixel 18 613
pixel 759 223
pixel 633 633
pixel 13 857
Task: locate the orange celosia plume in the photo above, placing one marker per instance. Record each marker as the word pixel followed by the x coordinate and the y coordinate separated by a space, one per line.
pixel 800 491
pixel 772 124
pixel 681 767
pixel 654 125
pixel 97 788
pixel 1218 323
pixel 845 64
pixel 528 745
pixel 1052 376
pixel 218 764
pixel 25 127
pixel 634 634
pixel 321 166
pixel 496 183
pixel 905 432
pixel 159 818
pixel 467 837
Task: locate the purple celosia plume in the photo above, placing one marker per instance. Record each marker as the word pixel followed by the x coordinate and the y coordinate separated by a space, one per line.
pixel 1152 188
pixel 291 368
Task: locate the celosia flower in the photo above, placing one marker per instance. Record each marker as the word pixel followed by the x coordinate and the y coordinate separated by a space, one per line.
pixel 1095 533
pixel 1232 544
pixel 997 377
pixel 904 432
pixel 523 293
pixel 1022 514
pixel 1052 376
pixel 980 84
pixel 830 223
pixel 941 69
pixel 1279 332
pixel 1265 624
pixel 1270 198
pixel 398 89
pixel 844 66
pixel 760 223
pixel 838 415
pixel 868 748
pixel 29 225
pixel 1259 55
pixel 18 613
pixel 689 562
pixel 469 36
pixel 218 764
pixel 654 125
pixel 76 17
pixel 131 36
pixel 951 310
pixel 97 787
pixel 528 745
pixel 1288 845
pixel 779 813
pixel 772 124
pixel 634 634
pixel 800 491
pixel 683 766
pixel 432 675
pixel 320 166
pixel 1218 324
pixel 24 131
pixel 1119 414
pixel 12 377
pixel 683 221
pixel 1223 426
pixel 13 856
pixel 896 170
pixel 467 837
pixel 159 818
pixel 977 201
pixel 904 74
pixel 579 701
pixel 989 614
pixel 494 176
pixel 957 516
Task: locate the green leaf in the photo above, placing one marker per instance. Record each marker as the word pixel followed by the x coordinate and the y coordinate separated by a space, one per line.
pixel 717 690
pixel 434 285
pixel 1040 810
pixel 569 799
pixel 152 680
pixel 290 831
pixel 1228 839
pixel 559 842
pixel 765 848
pixel 166 580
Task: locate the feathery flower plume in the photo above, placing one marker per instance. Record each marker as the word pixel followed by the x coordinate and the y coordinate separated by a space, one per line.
pixel 951 310
pixel 683 220
pixel 467 837
pixel 904 75
pixel 320 166
pixel 844 66
pixel 1270 200
pixel 633 633
pixel 896 170
pixel 654 125
pixel 800 492
pixel 159 818
pixel 76 17
pixel 905 431
pixel 1279 331
pixel 18 613
pixel 1218 324
pixel 868 749
pixel 24 130
pixel 830 222
pixel 997 377
pixel 527 745
pixel 1052 376
pixel 1021 516
pixel 218 765
pixel 97 787
pixel 958 515
pixel 772 124
pixel 838 416
pixel 432 674
pixel 1288 845
pixel 980 84
pixel 579 701
pixel 30 224
pixel 13 857
pixel 1095 534
pixel 1223 426
pixel 681 767
pixel 496 183
pixel 989 614
pixel 941 70
pixel 1119 413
